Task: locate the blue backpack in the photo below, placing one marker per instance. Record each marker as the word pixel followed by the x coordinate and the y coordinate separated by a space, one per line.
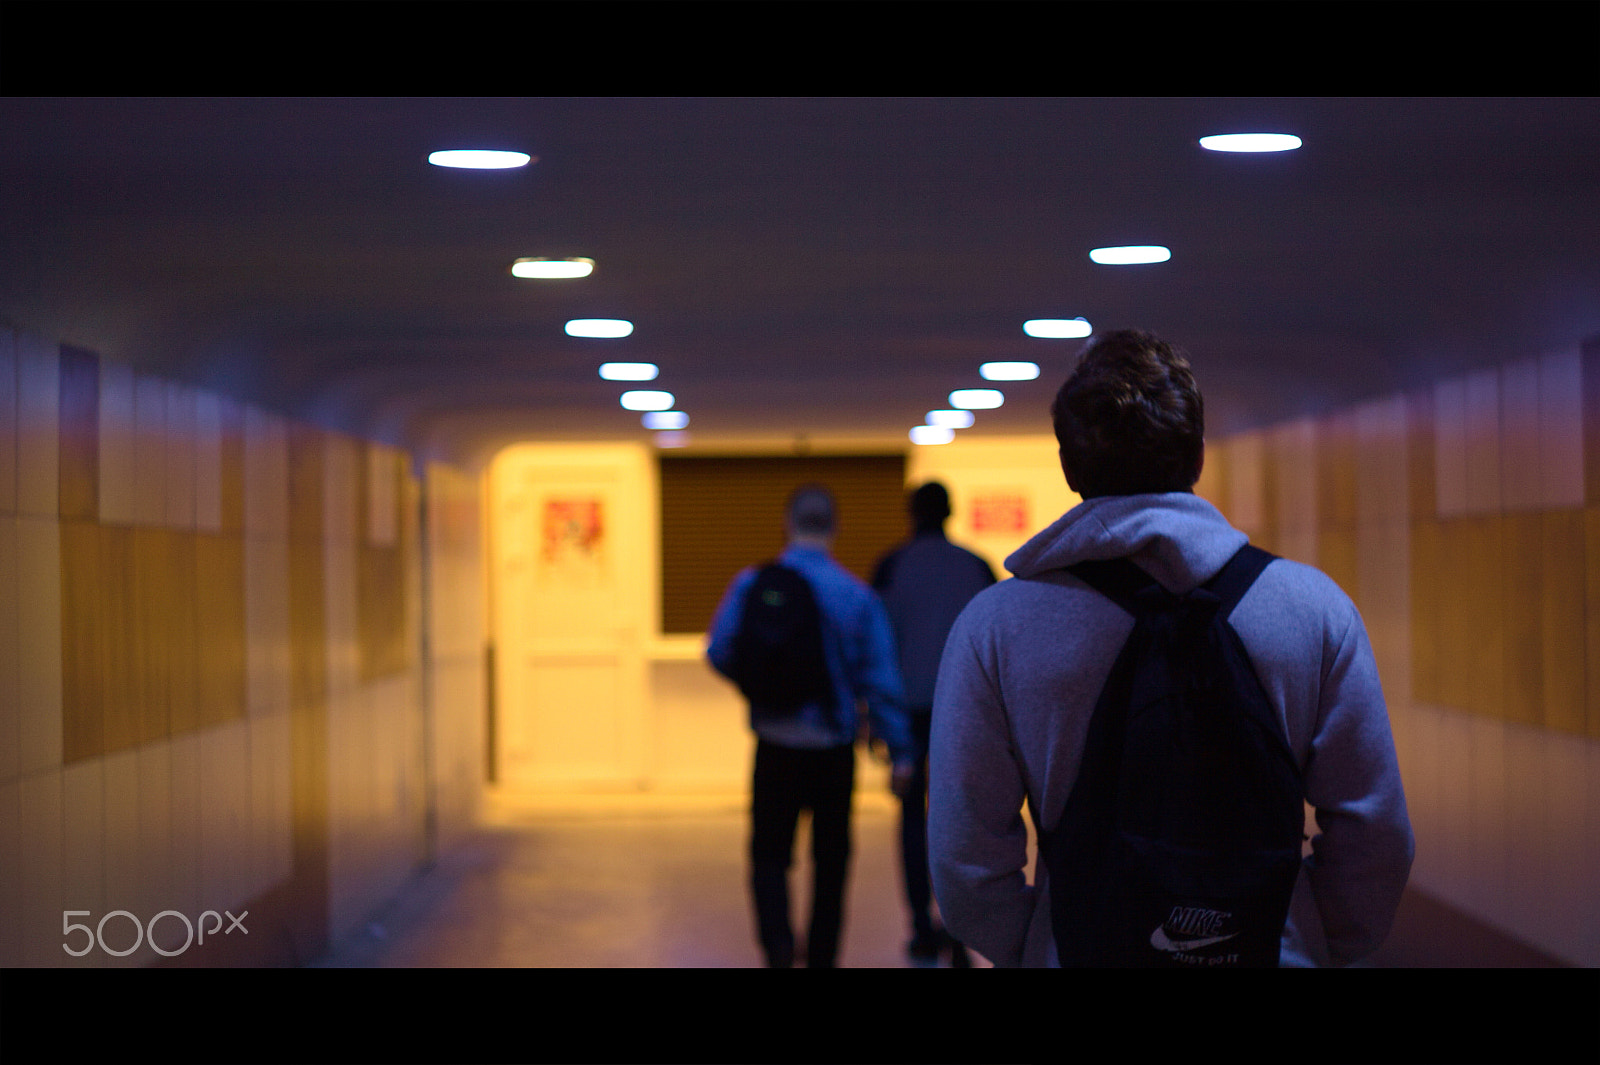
pixel 1180 843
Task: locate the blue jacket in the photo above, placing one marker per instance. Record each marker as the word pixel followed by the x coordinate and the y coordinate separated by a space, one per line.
pixel 860 650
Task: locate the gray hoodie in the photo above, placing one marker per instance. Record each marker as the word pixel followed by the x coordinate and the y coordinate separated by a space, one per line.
pixel 1018 682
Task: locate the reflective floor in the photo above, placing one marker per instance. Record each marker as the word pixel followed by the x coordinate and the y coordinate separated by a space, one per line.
pixel 620 882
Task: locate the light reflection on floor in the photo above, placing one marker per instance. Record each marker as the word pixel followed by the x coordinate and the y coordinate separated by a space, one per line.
pixel 619 882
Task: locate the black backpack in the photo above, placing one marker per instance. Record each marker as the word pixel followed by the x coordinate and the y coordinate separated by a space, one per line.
pixel 1180 843
pixel 778 657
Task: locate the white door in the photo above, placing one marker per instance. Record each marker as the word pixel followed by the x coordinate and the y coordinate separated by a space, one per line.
pixel 574 591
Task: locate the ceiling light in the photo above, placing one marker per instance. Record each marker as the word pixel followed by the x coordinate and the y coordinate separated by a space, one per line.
pixel 1133 253
pixel 665 419
pixel 598 327
pixel 977 398
pixel 1009 371
pixel 673 438
pixel 951 419
pixel 645 399
pixel 477 159
pixel 629 371
pixel 553 268
pixel 1057 327
pixel 1251 142
pixel 932 434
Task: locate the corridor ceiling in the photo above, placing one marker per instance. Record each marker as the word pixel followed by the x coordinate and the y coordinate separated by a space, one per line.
pixel 822 269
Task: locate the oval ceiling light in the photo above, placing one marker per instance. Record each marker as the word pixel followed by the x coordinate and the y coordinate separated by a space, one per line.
pixel 977 398
pixel 672 438
pixel 932 434
pixel 1251 142
pixel 629 371
pixel 645 399
pixel 1055 328
pixel 951 419
pixel 1131 253
pixel 1009 371
pixel 553 268
pixel 480 159
pixel 665 419
pixel 598 327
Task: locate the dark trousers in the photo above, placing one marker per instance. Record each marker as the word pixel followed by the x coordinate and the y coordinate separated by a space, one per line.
pixel 914 829
pixel 788 780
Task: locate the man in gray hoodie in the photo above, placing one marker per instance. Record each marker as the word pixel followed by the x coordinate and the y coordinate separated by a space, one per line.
pixel 1027 659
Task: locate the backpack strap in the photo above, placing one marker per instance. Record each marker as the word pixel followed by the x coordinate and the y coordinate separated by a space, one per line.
pixel 1235 578
pixel 1122 580
pixel 1118 579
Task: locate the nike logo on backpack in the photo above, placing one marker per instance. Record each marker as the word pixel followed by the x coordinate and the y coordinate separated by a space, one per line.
pixel 1160 941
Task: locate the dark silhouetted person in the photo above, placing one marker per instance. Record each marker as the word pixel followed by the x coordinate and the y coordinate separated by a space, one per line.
pixel 803 654
pixel 924 584
pixel 1025 665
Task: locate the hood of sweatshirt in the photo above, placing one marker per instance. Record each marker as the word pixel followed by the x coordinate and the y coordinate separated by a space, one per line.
pixel 1178 538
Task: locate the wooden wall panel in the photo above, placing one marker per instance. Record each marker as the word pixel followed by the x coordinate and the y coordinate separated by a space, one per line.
pixel 220 619
pixel 8 421
pixel 83 666
pixel 1591 610
pixel 1336 471
pixel 185 590
pixel 1484 614
pixel 1456 589
pixel 381 553
pixel 1244 503
pixel 1589 357
pixel 1523 595
pixel 1519 435
pixel 1213 483
pixel 1421 455
pixel 80 434
pixel 231 418
pixel 119 621
pixel 1563 623
pixel 1426 634
pixel 155 599
pixel 1336 556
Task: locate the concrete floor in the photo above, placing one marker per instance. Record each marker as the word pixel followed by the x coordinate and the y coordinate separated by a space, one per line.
pixel 620 882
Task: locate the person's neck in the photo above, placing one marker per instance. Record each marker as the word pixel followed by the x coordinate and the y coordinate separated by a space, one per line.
pixel 814 543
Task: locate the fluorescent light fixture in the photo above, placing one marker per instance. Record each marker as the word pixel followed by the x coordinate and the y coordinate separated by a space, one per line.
pixel 672 438
pixel 1251 142
pixel 598 327
pixel 644 399
pixel 1132 253
pixel 665 419
pixel 951 419
pixel 1009 371
pixel 478 159
pixel 629 371
pixel 553 268
pixel 932 434
pixel 1055 328
pixel 977 398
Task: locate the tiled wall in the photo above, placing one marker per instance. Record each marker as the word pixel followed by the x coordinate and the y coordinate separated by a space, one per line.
pixel 1464 520
pixel 212 693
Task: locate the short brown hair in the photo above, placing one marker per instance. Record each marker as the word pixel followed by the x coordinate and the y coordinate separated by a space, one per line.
pixel 811 510
pixel 1130 419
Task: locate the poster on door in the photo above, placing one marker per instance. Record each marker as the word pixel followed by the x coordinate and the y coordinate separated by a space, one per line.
pixel 999 513
pixel 573 541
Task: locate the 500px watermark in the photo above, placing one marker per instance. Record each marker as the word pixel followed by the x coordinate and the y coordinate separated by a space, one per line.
pixel 96 936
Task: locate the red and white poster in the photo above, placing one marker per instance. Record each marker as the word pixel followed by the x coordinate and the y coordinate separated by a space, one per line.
pixel 999 513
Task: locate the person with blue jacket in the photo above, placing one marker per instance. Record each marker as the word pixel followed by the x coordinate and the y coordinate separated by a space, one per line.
pixel 805 757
